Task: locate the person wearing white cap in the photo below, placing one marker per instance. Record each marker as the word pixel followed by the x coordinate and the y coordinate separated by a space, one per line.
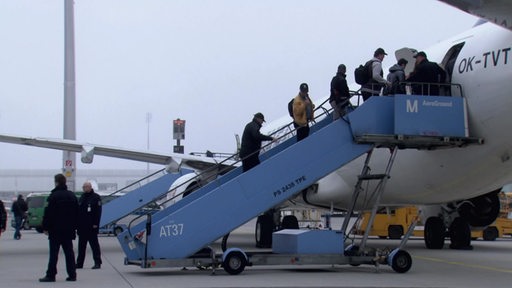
pixel 377 81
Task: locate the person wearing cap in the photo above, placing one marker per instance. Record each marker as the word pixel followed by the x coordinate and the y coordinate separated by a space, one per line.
pixel 251 142
pixel 339 92
pixel 396 76
pixel 303 109
pixel 377 81
pixel 428 73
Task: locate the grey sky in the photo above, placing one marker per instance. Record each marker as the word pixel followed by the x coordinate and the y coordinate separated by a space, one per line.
pixel 212 63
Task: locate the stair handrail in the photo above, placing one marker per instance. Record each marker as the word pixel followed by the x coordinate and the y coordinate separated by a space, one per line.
pixel 227 168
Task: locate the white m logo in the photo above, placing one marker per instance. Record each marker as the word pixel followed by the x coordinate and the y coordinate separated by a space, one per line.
pixel 412 107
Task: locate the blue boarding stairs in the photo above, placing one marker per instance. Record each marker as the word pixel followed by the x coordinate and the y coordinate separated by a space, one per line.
pixel 233 199
pixel 139 197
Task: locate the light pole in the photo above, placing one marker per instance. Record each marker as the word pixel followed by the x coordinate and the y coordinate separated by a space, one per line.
pixel 148 120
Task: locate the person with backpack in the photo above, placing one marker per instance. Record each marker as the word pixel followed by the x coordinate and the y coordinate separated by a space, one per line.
pixel 251 142
pixel 19 209
pixel 427 74
pixel 302 112
pixel 395 77
pixel 339 92
pixel 376 82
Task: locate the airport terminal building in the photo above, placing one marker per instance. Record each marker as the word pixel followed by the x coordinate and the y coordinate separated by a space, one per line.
pixel 21 181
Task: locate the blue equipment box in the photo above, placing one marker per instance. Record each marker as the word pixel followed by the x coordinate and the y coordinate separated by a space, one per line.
pixel 411 115
pixel 295 241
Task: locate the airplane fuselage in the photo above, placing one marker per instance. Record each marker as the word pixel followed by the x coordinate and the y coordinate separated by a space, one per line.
pixel 483 68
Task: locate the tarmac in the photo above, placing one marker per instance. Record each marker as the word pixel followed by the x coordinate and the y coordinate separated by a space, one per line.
pixel 489 264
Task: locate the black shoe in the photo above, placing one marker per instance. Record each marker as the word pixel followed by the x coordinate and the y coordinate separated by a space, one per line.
pixel 79 266
pixel 46 279
pixel 71 279
pixel 96 266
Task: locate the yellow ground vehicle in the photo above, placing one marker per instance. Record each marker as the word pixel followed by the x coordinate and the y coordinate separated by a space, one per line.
pixel 389 222
pixel 503 224
pixel 392 223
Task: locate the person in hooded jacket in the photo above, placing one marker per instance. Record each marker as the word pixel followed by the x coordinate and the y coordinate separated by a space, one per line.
pixel 396 76
pixel 60 222
pixel 89 215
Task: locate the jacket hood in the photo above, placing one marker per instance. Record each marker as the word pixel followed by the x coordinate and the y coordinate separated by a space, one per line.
pixel 395 68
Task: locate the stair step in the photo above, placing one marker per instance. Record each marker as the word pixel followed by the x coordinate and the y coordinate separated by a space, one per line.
pixel 373 176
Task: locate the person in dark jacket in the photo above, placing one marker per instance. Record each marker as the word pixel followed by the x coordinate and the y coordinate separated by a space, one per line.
pixel 396 77
pixel 251 142
pixel 3 218
pixel 339 92
pixel 60 222
pixel 426 72
pixel 19 209
pixel 89 215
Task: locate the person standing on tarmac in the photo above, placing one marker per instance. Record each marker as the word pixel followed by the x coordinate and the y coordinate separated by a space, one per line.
pixel 251 142
pixel 60 221
pixel 89 215
pixel 3 218
pixel 19 209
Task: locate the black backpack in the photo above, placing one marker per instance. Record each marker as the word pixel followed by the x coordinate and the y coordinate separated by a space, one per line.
pixel 290 107
pixel 363 74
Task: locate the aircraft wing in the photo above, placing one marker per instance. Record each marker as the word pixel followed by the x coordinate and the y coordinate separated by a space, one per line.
pixel 496 11
pixel 87 150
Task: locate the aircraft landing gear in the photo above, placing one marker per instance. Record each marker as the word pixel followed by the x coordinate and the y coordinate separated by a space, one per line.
pixel 460 234
pixel 434 233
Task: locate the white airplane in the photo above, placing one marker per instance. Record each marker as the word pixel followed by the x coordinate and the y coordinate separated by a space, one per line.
pixel 457 188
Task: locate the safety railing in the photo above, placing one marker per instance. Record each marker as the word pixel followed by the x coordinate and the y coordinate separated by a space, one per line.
pixel 207 177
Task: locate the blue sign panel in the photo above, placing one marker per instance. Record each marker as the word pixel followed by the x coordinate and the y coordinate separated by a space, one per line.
pixel 430 116
pixel 375 116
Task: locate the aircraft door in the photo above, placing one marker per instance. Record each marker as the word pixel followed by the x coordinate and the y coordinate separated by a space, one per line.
pixel 407 54
pixel 449 60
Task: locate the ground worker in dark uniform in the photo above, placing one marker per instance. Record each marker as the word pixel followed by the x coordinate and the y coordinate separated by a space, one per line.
pixel 251 142
pixel 60 223
pixel 88 225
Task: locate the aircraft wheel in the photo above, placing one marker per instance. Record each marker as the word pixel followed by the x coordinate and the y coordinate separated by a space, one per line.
pixel 264 229
pixel 490 233
pixel 234 262
pixel 290 222
pixel 460 234
pixel 434 233
pixel 401 261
